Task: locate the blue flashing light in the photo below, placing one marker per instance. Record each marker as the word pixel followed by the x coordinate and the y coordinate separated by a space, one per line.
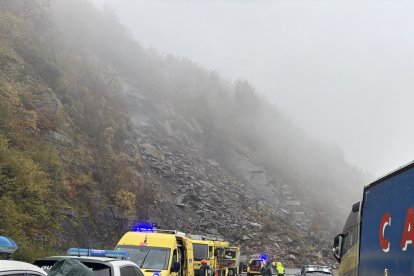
pixel 79 252
pixel 120 254
pixel 98 253
pixel 145 227
pixel 264 258
pixel 7 245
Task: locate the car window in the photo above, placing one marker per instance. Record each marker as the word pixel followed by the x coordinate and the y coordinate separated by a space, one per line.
pixel 99 269
pixel 347 242
pixel 255 264
pixel 200 251
pixel 129 271
pixel 138 272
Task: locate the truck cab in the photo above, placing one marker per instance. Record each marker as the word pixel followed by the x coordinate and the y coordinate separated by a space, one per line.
pixel 202 251
pixel 378 237
pixel 346 244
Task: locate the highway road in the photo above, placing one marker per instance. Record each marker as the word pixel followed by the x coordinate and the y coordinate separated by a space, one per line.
pixel 291 271
pixel 288 272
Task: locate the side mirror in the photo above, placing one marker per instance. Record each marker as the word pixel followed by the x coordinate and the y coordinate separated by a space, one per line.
pixel 176 267
pixel 337 247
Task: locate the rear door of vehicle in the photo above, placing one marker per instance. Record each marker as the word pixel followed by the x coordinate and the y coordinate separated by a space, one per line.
pixel 99 269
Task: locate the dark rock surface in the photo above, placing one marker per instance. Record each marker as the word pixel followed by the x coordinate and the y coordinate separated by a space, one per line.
pixel 228 195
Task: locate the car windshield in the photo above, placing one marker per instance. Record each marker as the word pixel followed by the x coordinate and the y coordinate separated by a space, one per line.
pixel 148 257
pixel 255 265
pixel 230 254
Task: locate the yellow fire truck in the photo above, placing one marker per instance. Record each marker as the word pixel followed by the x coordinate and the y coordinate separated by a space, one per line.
pixel 228 260
pixel 222 258
pixel 202 251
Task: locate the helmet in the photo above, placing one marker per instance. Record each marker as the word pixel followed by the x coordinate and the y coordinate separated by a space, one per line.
pixel 203 261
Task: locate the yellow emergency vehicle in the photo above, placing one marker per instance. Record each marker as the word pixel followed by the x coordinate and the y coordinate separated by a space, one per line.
pixel 229 260
pixel 254 267
pixel 222 258
pixel 159 252
pixel 202 250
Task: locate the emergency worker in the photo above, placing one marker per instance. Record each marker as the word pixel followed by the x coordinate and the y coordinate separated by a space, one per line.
pixel 280 269
pixel 274 268
pixel 205 268
pixel 267 269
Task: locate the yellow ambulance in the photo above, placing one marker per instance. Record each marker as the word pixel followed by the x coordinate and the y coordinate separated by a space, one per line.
pixel 159 252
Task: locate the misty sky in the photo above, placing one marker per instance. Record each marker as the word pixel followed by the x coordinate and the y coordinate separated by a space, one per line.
pixel 341 70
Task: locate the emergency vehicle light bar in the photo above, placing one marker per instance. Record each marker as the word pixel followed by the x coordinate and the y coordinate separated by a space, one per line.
pixel 144 226
pixel 7 245
pixel 121 254
pixel 264 257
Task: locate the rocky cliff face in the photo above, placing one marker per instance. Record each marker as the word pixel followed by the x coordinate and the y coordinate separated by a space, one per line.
pixel 224 193
pixel 119 133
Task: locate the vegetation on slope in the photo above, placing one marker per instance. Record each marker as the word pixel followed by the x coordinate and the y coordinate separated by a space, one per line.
pixel 67 150
pixel 62 135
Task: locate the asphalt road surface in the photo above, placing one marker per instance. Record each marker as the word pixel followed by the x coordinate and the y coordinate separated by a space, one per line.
pixel 288 272
pixel 291 271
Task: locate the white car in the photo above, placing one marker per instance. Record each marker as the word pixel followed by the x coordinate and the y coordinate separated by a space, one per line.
pixel 101 266
pixel 316 270
pixel 17 268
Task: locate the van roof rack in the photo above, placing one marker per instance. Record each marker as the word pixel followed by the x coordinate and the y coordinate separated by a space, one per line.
pixel 165 231
pixel 204 238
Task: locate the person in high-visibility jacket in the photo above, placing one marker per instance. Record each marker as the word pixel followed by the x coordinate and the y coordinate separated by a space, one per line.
pixel 280 269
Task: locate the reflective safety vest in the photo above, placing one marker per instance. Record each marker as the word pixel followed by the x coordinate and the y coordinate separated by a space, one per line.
pixel 280 270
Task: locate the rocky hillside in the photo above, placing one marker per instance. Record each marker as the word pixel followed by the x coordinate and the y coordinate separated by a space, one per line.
pixel 96 131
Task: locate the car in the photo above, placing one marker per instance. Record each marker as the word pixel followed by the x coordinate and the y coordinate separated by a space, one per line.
pixel 315 270
pixel 101 262
pixel 16 268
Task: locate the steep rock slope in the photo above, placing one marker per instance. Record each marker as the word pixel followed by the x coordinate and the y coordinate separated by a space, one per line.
pixel 119 133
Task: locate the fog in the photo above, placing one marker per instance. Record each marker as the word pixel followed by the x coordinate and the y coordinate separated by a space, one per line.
pixel 159 137
pixel 341 70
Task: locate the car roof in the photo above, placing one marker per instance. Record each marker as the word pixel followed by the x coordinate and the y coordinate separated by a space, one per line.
pixel 86 258
pixel 7 265
pixel 320 268
pixel 109 261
